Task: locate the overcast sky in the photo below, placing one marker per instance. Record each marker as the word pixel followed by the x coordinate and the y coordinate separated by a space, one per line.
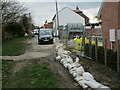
pixel 42 11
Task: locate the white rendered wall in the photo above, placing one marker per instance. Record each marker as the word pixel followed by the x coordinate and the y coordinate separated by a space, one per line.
pixel 66 15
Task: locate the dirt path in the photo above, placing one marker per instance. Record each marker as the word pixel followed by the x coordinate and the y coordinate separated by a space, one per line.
pixel 47 53
pixel 64 79
pixel 33 51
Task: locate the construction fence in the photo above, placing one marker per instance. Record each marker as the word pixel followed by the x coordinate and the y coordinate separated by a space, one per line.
pixel 93 48
pixel 101 55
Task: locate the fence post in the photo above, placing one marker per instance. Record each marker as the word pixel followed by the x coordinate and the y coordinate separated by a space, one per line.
pixel 66 43
pixel 96 49
pixel 0 40
pixel 83 44
pixel 105 51
pixel 90 47
pixel 67 37
pixel 118 60
pixel 118 54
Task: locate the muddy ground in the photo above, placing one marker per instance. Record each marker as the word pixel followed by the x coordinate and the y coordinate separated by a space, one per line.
pixel 102 74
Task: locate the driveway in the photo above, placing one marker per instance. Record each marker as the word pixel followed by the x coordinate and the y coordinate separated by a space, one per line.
pixel 33 51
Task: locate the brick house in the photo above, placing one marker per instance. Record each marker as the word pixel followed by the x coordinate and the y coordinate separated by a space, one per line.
pixel 109 15
pixel 48 25
pixel 93 29
pixel 79 12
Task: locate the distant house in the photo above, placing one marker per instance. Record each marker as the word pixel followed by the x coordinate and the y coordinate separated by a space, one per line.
pixel 109 16
pixel 79 12
pixel 67 15
pixel 93 29
pixel 48 25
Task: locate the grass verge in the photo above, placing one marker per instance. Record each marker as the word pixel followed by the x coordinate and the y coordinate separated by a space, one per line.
pixel 14 47
pixel 32 76
pixel 7 66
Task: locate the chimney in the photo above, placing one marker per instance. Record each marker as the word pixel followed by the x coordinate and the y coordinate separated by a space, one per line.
pixel 77 8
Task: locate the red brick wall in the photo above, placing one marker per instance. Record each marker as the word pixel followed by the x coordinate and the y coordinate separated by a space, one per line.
pixel 92 32
pixel 86 20
pixel 85 17
pixel 48 26
pixel 119 15
pixel 110 20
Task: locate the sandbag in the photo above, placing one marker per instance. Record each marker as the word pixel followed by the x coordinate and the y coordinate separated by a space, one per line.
pixel 69 60
pixel 88 76
pixel 75 64
pixel 74 74
pixel 63 56
pixel 66 52
pixel 73 70
pixel 62 60
pixel 105 87
pixel 80 71
pixel 82 83
pixel 78 78
pixel 93 84
pixel 66 65
pixel 77 59
pixel 58 57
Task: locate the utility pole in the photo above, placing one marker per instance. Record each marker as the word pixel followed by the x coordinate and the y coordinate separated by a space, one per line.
pixel 29 23
pixel 90 42
pixel 57 18
pixel 0 32
pixel 105 51
pixel 83 41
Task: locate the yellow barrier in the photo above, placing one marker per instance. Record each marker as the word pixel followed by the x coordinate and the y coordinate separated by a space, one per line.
pixel 79 43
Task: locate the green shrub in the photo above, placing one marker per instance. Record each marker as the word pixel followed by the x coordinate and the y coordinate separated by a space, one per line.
pixel 15 29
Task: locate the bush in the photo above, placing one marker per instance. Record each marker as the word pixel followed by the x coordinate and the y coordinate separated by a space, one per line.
pixel 15 29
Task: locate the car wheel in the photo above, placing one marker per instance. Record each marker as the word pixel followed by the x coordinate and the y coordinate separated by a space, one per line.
pixel 39 42
pixel 52 42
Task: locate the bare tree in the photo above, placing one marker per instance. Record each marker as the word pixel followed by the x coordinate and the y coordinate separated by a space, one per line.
pixel 26 21
pixel 11 10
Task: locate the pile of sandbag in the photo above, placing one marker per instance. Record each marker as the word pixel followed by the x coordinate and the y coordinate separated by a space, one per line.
pixel 84 79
